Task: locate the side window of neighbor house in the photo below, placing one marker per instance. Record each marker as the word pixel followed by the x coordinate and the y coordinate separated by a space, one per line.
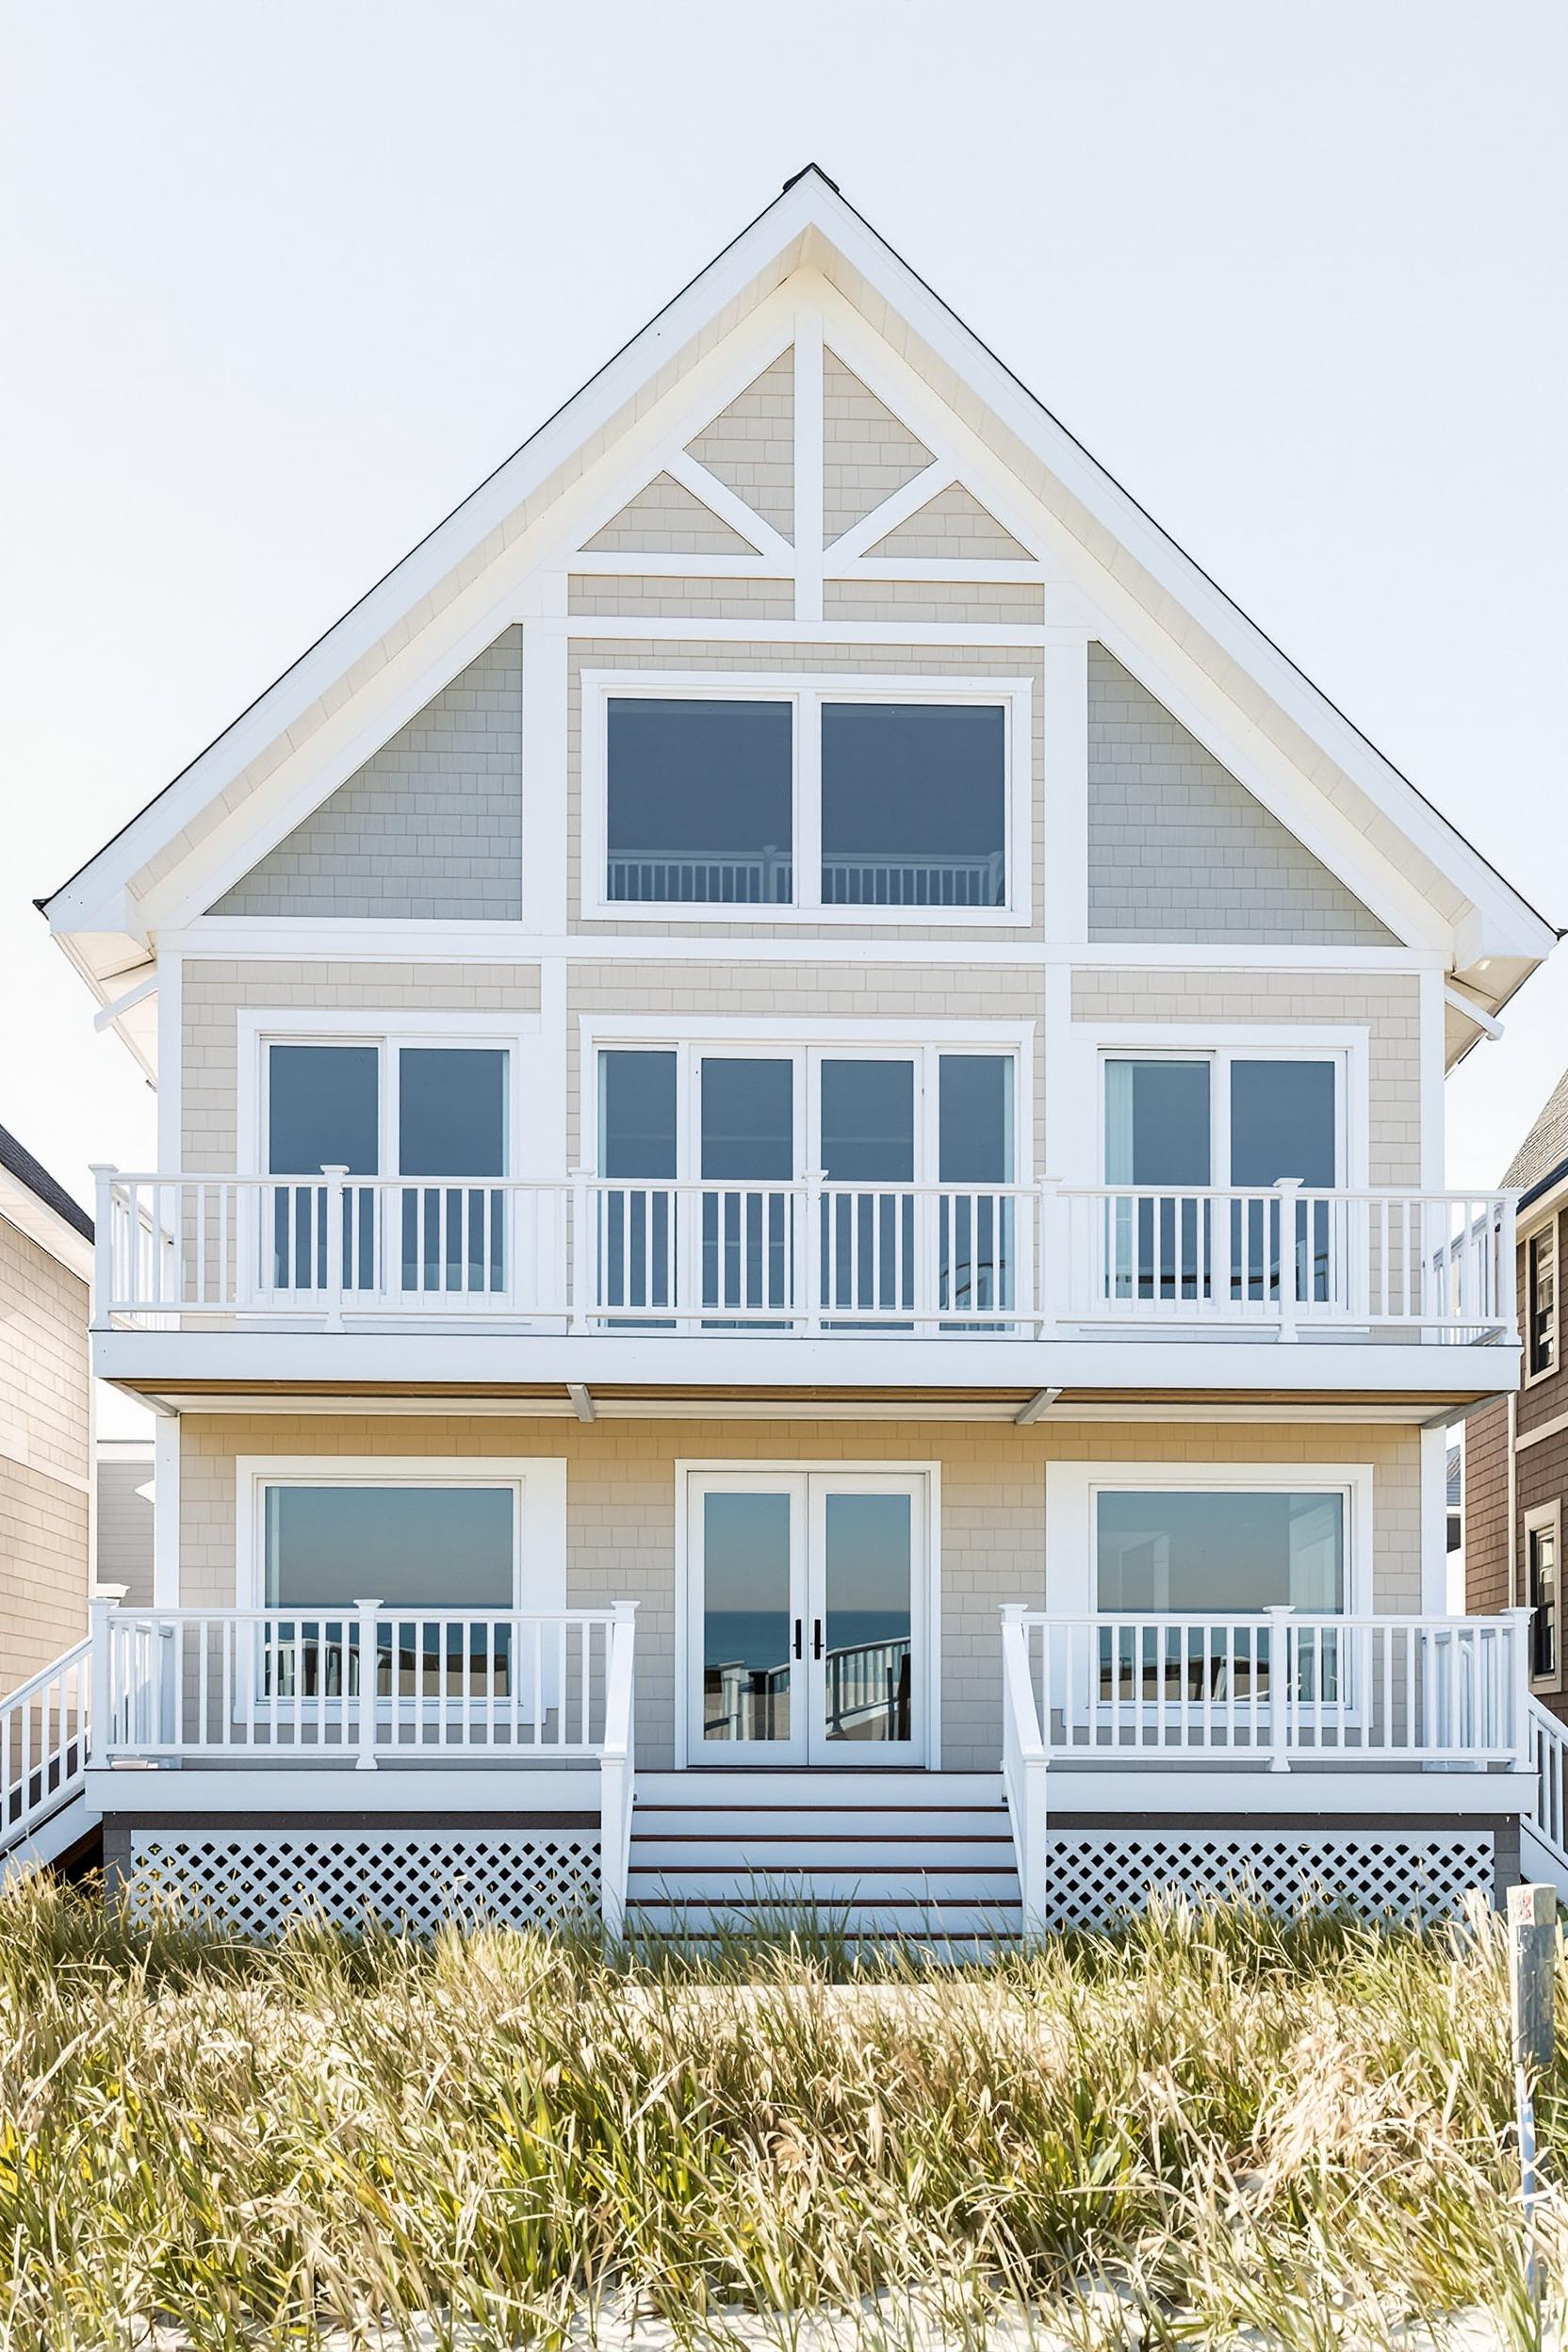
pixel 1542 1306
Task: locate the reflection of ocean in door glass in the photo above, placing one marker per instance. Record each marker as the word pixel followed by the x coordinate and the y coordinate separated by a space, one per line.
pixel 868 1618
pixel 746 1617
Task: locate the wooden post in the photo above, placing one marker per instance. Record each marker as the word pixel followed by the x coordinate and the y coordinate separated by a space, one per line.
pixel 1281 1670
pixel 1532 1976
pixel 366 1761
pixel 332 1210
pixel 1286 1190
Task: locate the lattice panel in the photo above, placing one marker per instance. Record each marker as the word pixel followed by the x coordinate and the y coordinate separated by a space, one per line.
pixel 1095 1875
pixel 256 1881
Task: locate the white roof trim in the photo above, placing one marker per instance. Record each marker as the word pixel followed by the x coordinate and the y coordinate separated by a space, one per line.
pixel 809 220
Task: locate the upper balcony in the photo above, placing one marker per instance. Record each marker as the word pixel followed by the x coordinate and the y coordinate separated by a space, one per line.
pixel 704 1266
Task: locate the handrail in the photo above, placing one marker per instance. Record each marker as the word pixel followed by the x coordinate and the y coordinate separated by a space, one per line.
pixel 1024 1762
pixel 1548 1812
pixel 43 1743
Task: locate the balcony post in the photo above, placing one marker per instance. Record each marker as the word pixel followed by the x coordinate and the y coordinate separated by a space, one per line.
pixel 813 1260
pixel 1286 1192
pixel 1045 1300
pixel 1521 1741
pixel 103 1173
pixel 101 1610
pixel 1280 1676
pixel 332 1210
pixel 579 1253
pixel 365 1637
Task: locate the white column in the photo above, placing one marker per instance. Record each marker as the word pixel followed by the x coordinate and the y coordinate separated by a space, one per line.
pixel 1067 793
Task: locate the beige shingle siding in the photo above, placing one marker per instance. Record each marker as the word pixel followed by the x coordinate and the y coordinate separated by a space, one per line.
pixel 215 992
pixel 44 1456
pixel 867 452
pixel 1388 1004
pixel 1179 850
pixel 124 1533
pixel 667 519
pixel 751 447
pixel 953 526
pixel 429 829
pixel 624 596
pixel 980 603
pixel 823 660
pixel 620 1516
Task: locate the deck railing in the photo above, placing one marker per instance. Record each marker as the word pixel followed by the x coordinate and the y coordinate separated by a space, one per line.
pixel 806 1254
pixel 1280 1689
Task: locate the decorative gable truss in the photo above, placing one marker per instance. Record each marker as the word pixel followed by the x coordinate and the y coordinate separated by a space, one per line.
pixel 806 447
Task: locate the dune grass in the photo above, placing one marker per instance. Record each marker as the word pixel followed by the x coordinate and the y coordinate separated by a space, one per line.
pixel 494 2136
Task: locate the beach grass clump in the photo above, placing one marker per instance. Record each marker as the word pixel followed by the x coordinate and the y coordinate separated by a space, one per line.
pixel 1206 2124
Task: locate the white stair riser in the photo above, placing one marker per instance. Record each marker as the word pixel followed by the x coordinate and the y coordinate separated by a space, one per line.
pixel 857 1889
pixel 878 1793
pixel 987 1923
pixel 658 1822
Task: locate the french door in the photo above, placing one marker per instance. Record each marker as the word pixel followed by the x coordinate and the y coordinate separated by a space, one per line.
pixel 808 1618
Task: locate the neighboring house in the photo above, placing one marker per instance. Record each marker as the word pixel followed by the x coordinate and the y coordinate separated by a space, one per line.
pixel 45 1417
pixel 123 1546
pixel 801 1081
pixel 1516 1447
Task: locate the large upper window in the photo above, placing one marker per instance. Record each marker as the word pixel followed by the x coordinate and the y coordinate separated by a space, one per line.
pixel 914 805
pixel 787 797
pixel 700 800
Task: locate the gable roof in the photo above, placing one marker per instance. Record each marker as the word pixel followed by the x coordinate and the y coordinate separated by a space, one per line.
pixel 1542 1157
pixel 108 910
pixel 38 1206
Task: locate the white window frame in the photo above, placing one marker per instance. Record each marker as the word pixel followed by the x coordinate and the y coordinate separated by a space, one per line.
pixel 1350 1128
pixel 1071 1495
pixel 385 1034
pixel 1546 1515
pixel 924 1042
pixel 688 1472
pixel 805 691
pixel 1531 1234
pixel 538 1527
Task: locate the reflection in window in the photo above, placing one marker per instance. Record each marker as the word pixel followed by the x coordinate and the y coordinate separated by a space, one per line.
pixel 635 1228
pixel 1542 1299
pixel 746 1617
pixel 322 1110
pixel 1213 1556
pixel 700 802
pixel 435 1549
pixel 913 805
pixel 452 1121
pixel 1543 1601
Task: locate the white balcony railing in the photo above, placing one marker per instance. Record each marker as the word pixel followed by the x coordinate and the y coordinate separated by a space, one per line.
pixel 44 1736
pixel 806 1255
pixel 1279 1690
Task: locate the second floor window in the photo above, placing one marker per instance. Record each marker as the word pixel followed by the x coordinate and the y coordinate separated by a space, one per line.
pixel 1541 1307
pixel 801 801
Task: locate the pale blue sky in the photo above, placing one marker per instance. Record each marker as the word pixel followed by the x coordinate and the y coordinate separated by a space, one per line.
pixel 281 282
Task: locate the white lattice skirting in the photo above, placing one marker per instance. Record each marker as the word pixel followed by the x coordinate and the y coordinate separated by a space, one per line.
pixel 256 1881
pixel 1421 1875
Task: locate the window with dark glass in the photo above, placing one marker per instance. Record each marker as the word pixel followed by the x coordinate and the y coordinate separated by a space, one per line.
pixel 1541 1257
pixel 1543 1540
pixel 701 798
pixel 913 805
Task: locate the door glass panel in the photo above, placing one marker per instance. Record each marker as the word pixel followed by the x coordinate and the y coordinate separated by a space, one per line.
pixel 913 805
pixel 452 1121
pixel 974 1150
pixel 1282 1123
pixel 868 1157
pixel 1210 1556
pixel 635 1211
pixel 868 1621
pixel 747 1139
pixel 700 802
pixel 746 1617
pixel 1157 1129
pixel 322 1110
pixel 415 1548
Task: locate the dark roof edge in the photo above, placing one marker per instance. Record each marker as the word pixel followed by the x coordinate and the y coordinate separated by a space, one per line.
pixel 1543 1184
pixel 19 1161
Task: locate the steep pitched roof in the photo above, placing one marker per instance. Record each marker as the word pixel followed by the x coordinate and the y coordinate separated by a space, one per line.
pixel 113 904
pixel 1544 1153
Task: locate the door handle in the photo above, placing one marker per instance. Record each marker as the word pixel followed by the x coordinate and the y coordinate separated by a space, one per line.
pixel 799 1647
pixel 816 1637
